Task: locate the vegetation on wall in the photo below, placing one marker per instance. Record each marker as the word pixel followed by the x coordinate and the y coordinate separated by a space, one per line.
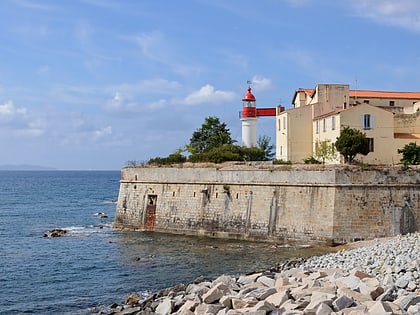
pixel 411 154
pixel 350 143
pixel 324 150
pixel 212 142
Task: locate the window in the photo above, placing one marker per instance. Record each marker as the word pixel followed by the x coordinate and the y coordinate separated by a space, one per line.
pixel 279 124
pixel 333 123
pixel 284 122
pixel 324 125
pixel 317 126
pixel 371 144
pixel 367 121
pixel 391 103
pixel 366 101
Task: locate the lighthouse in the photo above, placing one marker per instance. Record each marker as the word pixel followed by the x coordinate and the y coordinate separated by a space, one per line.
pixel 249 120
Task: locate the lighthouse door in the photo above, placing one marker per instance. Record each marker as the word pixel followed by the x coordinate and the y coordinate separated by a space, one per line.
pixel 151 212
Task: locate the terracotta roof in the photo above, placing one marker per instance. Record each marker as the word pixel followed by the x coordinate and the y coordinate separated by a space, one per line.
pixel 338 111
pixel 309 92
pixel 407 135
pixel 384 94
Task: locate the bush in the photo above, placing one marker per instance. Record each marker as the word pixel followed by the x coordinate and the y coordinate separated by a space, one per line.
pixel 281 162
pixel 173 158
pixel 311 160
pixel 411 154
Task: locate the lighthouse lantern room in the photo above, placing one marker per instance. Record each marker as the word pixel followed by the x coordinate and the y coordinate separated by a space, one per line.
pixel 249 120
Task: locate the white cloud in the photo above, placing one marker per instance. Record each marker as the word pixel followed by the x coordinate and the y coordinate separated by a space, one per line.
pixel 207 94
pixel 9 111
pixel 260 83
pixel 402 13
pixel 100 133
pixel 17 120
pixel 120 103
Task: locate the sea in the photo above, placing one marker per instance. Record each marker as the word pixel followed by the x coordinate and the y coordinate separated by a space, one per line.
pixel 94 265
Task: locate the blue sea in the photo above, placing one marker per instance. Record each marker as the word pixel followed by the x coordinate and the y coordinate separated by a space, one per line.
pixel 93 264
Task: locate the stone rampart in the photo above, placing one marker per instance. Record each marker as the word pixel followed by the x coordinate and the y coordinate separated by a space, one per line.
pixel 327 204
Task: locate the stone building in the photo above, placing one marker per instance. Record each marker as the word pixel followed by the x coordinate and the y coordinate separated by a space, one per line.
pixel 390 120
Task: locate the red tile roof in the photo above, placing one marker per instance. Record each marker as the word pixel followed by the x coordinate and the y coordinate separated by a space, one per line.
pixel 384 94
pixel 407 135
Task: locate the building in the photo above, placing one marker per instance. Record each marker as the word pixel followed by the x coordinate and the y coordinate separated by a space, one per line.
pixel 390 120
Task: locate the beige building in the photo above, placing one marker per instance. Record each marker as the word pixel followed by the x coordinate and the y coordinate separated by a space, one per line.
pixel 390 120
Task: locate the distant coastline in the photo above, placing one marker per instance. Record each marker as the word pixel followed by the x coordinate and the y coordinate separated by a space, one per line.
pixel 25 167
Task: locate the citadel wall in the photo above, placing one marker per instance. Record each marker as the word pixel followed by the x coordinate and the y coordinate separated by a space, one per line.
pixel 327 204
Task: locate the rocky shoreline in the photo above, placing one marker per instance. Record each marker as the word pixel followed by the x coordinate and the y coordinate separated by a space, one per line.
pixel 379 277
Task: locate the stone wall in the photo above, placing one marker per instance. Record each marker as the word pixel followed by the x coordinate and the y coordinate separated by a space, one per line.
pixel 324 203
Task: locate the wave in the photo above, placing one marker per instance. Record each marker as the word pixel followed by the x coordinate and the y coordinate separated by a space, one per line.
pixel 80 230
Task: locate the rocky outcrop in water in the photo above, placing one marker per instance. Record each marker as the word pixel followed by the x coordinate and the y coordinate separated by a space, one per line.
pixel 382 278
pixel 55 233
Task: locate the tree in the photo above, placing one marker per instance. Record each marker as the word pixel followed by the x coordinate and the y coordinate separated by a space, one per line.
pixel 324 150
pixel 264 144
pixel 212 134
pixel 411 154
pixel 350 143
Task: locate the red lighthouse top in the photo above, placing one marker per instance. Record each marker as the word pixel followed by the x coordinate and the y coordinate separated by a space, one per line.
pixel 249 96
pixel 249 109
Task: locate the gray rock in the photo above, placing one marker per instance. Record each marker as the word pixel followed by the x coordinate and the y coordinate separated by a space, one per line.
pixel 207 309
pixel 342 302
pixel 406 301
pixel 165 307
pixel 267 281
pixel 323 309
pixel 215 293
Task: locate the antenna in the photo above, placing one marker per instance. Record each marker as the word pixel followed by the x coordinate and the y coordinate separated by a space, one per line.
pixel 355 92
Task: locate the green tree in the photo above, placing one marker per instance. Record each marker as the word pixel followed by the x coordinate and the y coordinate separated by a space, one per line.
pixel 411 154
pixel 212 134
pixel 264 144
pixel 350 143
pixel 324 150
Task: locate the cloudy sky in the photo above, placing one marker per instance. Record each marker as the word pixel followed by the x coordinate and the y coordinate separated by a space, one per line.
pixel 92 84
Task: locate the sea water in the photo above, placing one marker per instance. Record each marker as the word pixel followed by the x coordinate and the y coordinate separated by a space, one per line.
pixel 93 264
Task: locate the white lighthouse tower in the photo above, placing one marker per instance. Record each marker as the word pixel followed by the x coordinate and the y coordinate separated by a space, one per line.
pixel 249 120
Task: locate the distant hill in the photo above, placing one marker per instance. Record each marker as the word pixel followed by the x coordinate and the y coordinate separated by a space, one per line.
pixel 25 167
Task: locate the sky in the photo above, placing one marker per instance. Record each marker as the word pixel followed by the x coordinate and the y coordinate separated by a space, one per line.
pixel 92 84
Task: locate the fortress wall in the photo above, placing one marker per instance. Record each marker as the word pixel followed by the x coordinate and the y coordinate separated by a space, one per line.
pixel 328 204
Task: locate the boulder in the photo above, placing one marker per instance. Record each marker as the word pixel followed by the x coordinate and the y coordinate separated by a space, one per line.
pixel 55 233
pixel 132 299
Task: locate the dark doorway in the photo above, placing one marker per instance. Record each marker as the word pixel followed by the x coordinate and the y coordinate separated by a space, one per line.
pixel 151 212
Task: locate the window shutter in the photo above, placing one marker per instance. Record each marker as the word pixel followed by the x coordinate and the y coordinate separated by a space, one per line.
pixel 371 122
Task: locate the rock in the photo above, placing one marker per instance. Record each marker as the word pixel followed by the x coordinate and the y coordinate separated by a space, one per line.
pixel 342 302
pixel 278 298
pixel 215 293
pixel 406 301
pixel 132 299
pixel 55 233
pixel 383 279
pixel 207 309
pixel 323 309
pixel 318 298
pixel 226 301
pixel 263 306
pixel 165 307
pixel 261 293
pixel 414 309
pixel 187 308
pixel 268 282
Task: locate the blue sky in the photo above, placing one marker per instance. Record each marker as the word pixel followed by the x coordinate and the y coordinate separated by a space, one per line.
pixel 92 84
